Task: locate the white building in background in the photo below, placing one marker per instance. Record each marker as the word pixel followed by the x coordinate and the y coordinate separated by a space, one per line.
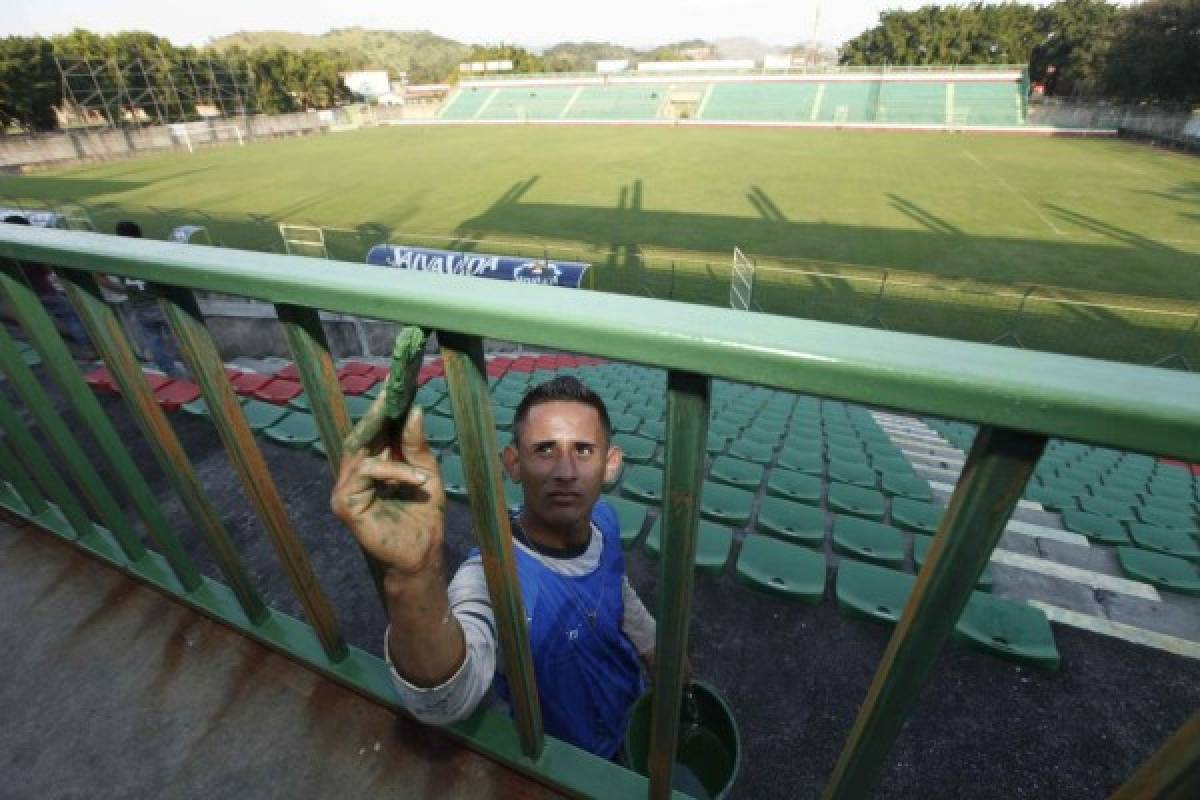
pixel 368 84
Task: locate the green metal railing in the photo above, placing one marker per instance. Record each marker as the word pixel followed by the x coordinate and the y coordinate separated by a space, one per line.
pixel 1018 398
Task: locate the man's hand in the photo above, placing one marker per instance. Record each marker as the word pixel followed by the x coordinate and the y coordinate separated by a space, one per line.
pixel 389 492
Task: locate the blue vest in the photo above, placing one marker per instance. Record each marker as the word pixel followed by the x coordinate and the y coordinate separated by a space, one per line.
pixel 588 673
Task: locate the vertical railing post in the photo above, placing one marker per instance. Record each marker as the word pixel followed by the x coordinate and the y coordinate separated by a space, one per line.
pixel 1172 772
pixel 108 335
pixel 688 405
pixel 48 418
pixel 200 352
pixel 310 352
pixel 44 473
pixel 995 474
pixel 466 377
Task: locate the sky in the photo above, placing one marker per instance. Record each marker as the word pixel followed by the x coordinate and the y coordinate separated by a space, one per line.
pixel 533 23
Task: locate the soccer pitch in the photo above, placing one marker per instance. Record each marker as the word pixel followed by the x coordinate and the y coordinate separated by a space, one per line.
pixel 658 211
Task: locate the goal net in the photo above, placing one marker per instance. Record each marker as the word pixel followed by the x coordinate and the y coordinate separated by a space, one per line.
pixel 191 135
pixel 741 281
pixel 303 240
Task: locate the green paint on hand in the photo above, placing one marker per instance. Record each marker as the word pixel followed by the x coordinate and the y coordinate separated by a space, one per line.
pixel 407 356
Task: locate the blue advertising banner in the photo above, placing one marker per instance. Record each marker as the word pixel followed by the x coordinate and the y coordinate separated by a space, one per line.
pixel 481 265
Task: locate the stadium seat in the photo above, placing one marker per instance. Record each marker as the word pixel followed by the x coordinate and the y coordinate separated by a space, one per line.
pixel 636 449
pixel 262 415
pixel 1103 530
pixel 1107 508
pixel 713 543
pixel 752 451
pixel 1053 499
pixel 1162 540
pixel 1176 518
pixel 858 474
pixel 454 480
pixel 197 408
pixel 793 522
pixel 357 384
pixel 247 383
pixel 867 540
pixel 101 380
pixel 171 396
pixel 726 504
pixel 299 402
pixel 724 427
pixel 921 545
pixel 855 500
pixel 762 432
pixel 503 417
pixel 1011 629
pixel 735 472
pixel 915 516
pixel 716 443
pixel 873 592
pixel 909 486
pixel 808 461
pixel 795 486
pixel 357 407
pixel 439 431
pixel 777 567
pixel 631 516
pixel 643 483
pixel 1162 571
pixel 295 428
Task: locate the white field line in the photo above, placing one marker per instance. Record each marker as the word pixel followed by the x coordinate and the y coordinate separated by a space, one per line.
pixel 1087 577
pixel 1119 630
pixel 1012 189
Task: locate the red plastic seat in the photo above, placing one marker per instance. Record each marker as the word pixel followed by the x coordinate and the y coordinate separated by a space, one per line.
pixel 157 380
pixel 357 384
pixel 380 373
pixel 355 368
pixel 496 370
pixel 176 393
pixel 101 380
pixel 288 373
pixel 277 391
pixel 248 383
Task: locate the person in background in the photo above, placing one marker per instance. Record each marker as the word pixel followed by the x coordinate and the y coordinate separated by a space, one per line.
pixel 45 286
pixel 158 343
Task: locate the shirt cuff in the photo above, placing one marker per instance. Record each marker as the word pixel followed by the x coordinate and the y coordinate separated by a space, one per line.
pixel 418 691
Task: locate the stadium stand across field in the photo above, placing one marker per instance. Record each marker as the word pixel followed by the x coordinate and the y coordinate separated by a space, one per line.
pixel 907 99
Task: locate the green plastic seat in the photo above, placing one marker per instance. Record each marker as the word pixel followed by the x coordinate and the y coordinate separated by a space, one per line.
pixel 716 443
pixel 1107 508
pixel 504 417
pixel 752 451
pixel 1010 629
pixel 794 486
pixel 868 540
pixel 295 429
pixel 625 423
pixel 855 500
pixel 1159 570
pixel 299 402
pixel 29 355
pixel 1103 530
pixel 872 592
pixel 808 461
pixel 854 474
pixel 632 516
pixel 726 504
pixel 453 479
pixel 1053 499
pixel 735 472
pixel 713 543
pixel 909 486
pixel 636 449
pixel 725 427
pixel 439 431
pixel 915 516
pixel 793 522
pixel 1176 518
pixel 357 406
pixel 442 408
pixel 655 429
pixel 1162 540
pixel 197 408
pixel 763 433
pixel 644 484
pixel 260 415
pixel 777 567
pixel 514 496
pixel 921 545
pixel 845 455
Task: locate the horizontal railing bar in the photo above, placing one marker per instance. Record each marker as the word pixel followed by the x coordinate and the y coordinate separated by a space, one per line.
pixel 108 335
pixel 1129 407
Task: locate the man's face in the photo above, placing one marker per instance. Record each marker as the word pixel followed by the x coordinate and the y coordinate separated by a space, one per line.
pixel 562 459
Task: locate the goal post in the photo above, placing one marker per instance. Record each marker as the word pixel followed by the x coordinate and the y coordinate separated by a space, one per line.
pixel 203 133
pixel 303 240
pixel 741 281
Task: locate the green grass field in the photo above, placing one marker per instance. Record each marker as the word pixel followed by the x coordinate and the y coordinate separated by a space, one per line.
pixel 658 211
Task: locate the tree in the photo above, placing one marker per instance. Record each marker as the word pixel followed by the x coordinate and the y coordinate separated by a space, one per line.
pixel 1075 37
pixel 1155 53
pixel 29 84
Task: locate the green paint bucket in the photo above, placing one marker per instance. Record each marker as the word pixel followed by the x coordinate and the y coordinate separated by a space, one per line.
pixel 709 751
